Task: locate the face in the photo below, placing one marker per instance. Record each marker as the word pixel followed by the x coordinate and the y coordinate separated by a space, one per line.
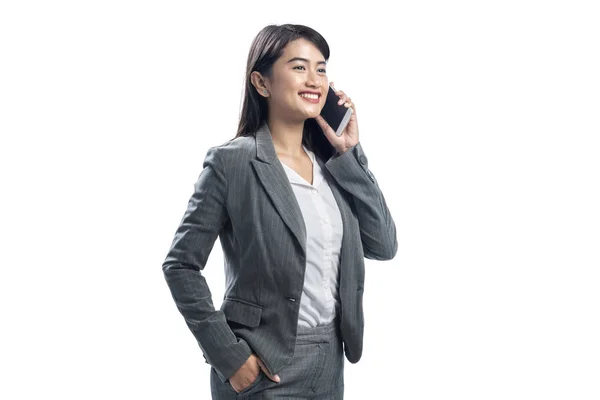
pixel 298 85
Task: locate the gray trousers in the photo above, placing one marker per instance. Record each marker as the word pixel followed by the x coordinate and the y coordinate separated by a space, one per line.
pixel 315 372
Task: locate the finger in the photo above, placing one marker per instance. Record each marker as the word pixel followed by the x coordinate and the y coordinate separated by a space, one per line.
pixel 274 378
pixel 343 98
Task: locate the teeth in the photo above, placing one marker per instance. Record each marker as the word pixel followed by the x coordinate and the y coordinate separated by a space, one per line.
pixel 310 96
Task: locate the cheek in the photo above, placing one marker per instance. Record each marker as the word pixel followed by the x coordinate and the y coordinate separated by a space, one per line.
pixel 288 88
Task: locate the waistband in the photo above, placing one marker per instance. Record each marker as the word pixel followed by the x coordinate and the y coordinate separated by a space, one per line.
pixel 318 334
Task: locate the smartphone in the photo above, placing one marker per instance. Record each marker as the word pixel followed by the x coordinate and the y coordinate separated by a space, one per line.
pixel 337 116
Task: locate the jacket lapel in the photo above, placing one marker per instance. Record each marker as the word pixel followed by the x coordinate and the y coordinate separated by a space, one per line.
pixel 277 185
pixel 345 212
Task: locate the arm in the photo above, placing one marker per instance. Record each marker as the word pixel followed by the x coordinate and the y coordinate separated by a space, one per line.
pixel 204 218
pixel 377 228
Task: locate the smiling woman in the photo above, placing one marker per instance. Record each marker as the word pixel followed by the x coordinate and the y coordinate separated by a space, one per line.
pixel 297 210
pixel 298 71
pixel 291 66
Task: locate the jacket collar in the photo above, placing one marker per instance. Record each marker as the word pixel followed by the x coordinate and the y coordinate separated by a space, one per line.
pixel 265 149
pixel 271 174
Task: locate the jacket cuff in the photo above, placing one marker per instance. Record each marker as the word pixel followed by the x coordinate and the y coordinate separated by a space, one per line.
pixel 227 365
pixel 351 164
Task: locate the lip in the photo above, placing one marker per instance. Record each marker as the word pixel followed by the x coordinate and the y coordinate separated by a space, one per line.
pixel 310 92
pixel 313 101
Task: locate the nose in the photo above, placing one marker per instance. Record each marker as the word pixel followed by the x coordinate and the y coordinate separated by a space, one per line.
pixel 314 80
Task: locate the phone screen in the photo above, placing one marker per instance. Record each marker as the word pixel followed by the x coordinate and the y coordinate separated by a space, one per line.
pixel 337 116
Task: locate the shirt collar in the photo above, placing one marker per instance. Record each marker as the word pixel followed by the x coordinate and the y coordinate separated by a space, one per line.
pixel 294 177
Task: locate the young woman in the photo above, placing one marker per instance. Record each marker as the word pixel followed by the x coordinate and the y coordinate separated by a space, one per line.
pixel 297 210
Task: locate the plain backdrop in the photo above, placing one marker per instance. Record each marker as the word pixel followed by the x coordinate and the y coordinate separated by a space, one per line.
pixel 481 124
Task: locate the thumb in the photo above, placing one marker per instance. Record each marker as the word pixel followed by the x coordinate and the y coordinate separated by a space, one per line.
pixel 274 378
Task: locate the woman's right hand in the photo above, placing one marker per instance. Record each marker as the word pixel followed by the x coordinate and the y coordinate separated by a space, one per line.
pixel 248 372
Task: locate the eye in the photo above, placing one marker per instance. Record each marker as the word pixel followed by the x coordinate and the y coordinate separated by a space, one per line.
pixel 323 70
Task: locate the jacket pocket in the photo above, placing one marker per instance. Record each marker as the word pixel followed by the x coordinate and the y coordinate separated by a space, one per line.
pixel 241 311
pixel 253 385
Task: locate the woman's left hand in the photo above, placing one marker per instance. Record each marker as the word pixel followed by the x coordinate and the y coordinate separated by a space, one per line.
pixel 349 136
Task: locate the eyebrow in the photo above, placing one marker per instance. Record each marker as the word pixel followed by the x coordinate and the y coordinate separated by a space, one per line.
pixel 305 60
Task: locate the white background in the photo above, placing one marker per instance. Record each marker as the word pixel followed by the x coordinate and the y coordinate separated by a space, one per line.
pixel 480 121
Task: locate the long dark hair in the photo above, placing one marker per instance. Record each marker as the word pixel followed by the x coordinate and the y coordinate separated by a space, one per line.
pixel 266 48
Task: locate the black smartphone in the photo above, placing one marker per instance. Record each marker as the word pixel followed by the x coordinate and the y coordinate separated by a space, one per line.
pixel 337 116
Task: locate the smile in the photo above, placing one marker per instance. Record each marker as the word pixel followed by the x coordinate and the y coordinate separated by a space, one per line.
pixel 313 98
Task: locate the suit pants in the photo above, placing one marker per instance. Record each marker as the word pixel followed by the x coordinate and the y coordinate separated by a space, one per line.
pixel 316 370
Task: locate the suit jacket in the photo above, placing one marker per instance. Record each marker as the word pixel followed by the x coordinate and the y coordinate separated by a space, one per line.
pixel 243 195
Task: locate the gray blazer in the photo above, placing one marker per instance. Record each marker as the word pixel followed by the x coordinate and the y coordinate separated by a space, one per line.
pixel 243 195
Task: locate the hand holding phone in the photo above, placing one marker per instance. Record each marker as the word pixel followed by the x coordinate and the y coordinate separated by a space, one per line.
pixel 337 116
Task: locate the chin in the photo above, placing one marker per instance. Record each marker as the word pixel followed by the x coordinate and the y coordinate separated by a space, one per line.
pixel 313 112
pixel 307 112
pixel 308 116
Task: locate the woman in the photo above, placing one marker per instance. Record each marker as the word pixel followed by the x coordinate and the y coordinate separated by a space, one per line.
pixel 297 210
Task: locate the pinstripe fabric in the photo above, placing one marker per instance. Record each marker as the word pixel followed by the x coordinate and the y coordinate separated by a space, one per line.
pixel 243 196
pixel 316 371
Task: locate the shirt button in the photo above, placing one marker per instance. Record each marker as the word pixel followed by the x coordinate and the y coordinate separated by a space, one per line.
pixel 325 221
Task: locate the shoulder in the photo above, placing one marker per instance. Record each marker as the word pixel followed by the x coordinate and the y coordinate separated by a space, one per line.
pixel 239 149
pixel 233 154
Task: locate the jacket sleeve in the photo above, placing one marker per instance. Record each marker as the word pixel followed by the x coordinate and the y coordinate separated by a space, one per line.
pixel 377 228
pixel 204 218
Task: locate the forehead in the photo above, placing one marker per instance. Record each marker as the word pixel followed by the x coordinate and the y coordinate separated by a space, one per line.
pixel 302 48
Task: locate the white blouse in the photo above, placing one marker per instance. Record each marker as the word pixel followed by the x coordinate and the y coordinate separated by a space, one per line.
pixel 320 299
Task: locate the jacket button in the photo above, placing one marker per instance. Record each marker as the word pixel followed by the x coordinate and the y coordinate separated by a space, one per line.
pixel 363 160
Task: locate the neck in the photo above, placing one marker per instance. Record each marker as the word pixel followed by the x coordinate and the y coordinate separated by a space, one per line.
pixel 287 136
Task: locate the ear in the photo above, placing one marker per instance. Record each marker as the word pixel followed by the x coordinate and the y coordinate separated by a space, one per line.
pixel 260 83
